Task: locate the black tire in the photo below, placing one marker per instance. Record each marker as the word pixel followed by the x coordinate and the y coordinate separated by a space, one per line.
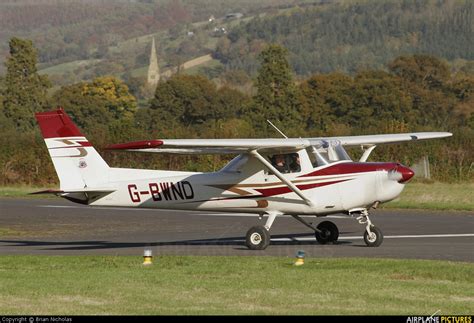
pixel 328 232
pixel 377 238
pixel 257 238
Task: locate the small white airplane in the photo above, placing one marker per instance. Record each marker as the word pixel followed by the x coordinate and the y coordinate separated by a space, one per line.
pixel 269 177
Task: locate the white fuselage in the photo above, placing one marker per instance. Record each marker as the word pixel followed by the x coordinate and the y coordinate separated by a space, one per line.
pixel 253 192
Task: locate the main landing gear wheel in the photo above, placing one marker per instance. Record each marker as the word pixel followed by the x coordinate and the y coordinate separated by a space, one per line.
pixel 328 232
pixel 257 238
pixel 374 238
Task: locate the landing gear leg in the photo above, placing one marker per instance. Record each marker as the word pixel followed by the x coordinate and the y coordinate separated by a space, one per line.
pixel 258 237
pixel 373 236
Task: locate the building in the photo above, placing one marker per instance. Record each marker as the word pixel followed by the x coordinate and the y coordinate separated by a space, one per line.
pixel 153 69
pixel 234 15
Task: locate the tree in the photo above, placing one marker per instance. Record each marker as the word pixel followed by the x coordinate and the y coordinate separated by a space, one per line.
pixel 425 70
pixel 379 96
pixel 5 124
pixel 96 105
pixel 88 112
pixel 184 99
pixel 327 98
pixel 277 97
pixel 25 89
pixel 114 94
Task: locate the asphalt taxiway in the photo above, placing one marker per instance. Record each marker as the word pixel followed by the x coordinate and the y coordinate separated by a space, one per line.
pixel 59 227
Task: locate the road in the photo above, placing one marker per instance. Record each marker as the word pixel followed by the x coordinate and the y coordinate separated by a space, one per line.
pixel 59 227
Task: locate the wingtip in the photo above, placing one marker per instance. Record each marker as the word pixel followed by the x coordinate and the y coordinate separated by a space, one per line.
pixel 445 134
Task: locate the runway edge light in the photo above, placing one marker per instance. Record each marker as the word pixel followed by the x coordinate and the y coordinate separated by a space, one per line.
pixel 299 258
pixel 147 257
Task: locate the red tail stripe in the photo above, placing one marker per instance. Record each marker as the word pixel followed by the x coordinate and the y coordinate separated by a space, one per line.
pixel 57 124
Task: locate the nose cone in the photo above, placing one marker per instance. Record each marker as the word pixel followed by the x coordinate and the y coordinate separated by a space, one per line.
pixel 406 173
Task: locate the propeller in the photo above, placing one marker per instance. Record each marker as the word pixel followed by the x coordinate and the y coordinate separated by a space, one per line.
pixel 401 174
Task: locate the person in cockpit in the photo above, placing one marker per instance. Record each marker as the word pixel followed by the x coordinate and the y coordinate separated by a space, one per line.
pixel 279 163
pixel 295 165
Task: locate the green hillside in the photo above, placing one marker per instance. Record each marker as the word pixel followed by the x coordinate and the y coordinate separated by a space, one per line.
pixel 66 31
pixel 348 36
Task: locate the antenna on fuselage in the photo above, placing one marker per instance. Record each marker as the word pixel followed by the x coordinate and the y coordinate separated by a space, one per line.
pixel 281 132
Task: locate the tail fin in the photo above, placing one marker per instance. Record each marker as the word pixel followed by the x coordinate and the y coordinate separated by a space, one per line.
pixel 77 163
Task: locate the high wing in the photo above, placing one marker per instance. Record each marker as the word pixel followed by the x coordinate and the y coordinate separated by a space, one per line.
pixel 213 146
pixel 238 146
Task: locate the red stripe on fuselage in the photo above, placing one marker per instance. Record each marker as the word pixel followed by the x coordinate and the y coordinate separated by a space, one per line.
pixel 285 189
pixel 351 168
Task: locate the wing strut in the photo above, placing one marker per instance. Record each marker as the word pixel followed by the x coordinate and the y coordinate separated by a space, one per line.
pixel 282 178
pixel 366 153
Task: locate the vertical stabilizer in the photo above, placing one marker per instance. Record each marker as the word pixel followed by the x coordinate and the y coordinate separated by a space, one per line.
pixel 77 163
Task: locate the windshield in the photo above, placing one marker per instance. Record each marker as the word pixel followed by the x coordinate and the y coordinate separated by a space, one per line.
pixel 327 152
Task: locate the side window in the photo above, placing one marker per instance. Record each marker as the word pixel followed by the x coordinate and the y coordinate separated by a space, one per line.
pixel 286 163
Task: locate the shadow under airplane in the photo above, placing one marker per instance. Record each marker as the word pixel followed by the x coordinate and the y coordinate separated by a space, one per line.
pixel 98 245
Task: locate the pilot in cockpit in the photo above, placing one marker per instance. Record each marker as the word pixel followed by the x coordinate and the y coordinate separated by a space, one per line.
pixel 295 165
pixel 279 163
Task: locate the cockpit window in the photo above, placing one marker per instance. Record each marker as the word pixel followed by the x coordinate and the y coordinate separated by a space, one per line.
pixel 286 163
pixel 327 152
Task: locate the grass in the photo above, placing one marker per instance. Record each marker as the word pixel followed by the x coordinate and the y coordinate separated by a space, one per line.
pixel 60 285
pixel 23 192
pixel 437 196
pixel 63 68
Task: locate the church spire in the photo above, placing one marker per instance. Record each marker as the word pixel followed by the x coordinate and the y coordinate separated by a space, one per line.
pixel 153 69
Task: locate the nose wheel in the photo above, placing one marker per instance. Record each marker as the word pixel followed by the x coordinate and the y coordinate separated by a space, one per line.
pixel 373 236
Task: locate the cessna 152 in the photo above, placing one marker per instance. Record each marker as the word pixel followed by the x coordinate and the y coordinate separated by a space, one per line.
pixel 268 177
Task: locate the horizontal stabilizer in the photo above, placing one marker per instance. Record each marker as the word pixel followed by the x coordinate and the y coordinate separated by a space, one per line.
pixel 81 190
pixel 82 196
